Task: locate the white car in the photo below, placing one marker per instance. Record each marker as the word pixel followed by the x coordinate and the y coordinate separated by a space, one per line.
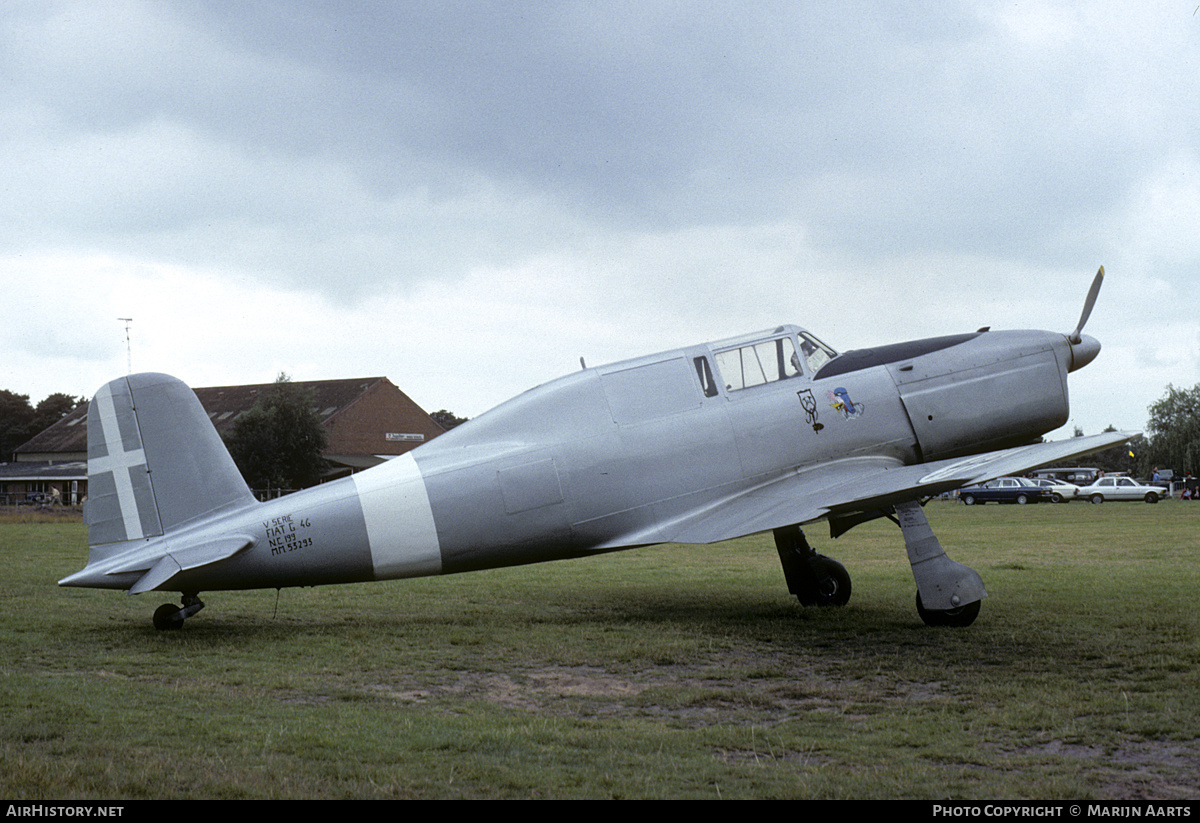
pixel 1060 490
pixel 1121 488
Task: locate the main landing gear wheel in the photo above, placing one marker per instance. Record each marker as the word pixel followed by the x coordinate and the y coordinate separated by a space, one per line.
pixel 169 617
pixel 815 579
pixel 961 616
pixel 832 581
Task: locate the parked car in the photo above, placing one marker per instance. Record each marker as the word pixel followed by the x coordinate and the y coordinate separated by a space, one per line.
pixel 1076 475
pixel 1004 490
pixel 1121 488
pixel 1060 490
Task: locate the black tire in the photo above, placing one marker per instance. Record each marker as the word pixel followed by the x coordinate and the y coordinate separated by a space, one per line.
pixel 1151 497
pixel 1097 499
pixel 1022 499
pixel 955 618
pixel 968 499
pixel 833 582
pixel 166 617
pixel 1056 498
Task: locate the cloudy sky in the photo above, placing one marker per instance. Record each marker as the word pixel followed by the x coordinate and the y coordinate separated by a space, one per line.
pixel 467 197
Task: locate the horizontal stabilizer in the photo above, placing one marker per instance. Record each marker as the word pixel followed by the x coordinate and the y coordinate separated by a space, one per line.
pixel 161 573
pixel 192 557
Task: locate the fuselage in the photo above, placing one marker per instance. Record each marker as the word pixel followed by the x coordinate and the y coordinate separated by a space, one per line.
pixel 610 457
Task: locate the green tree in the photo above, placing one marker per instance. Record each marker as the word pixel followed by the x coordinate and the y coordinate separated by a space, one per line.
pixel 1174 431
pixel 277 443
pixel 54 408
pixel 20 421
pixel 447 419
pixel 16 417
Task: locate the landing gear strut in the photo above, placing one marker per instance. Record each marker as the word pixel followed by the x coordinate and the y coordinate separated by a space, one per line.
pixel 169 617
pixel 815 579
pixel 951 590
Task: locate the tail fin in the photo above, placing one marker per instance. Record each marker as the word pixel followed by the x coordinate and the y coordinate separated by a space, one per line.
pixel 154 460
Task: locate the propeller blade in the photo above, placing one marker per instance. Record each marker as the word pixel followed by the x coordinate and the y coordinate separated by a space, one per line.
pixel 1075 336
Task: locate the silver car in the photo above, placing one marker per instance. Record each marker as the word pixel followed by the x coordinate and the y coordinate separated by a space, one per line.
pixel 1121 488
pixel 1060 490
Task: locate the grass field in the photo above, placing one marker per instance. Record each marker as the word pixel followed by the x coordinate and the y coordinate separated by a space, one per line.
pixel 666 672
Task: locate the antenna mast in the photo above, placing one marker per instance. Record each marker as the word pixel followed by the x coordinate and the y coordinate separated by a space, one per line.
pixel 128 349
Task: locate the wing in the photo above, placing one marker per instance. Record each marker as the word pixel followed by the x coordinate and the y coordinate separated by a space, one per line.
pixel 844 489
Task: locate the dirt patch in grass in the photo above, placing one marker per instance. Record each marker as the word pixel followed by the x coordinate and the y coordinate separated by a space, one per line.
pixel 539 690
pixel 1135 770
pixel 690 695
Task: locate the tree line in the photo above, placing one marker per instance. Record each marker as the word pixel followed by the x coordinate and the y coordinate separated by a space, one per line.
pixel 1173 433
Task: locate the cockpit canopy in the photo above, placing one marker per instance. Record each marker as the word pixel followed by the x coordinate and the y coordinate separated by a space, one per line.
pixel 765 358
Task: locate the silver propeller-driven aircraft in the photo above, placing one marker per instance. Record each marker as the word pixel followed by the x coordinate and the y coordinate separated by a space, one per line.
pixel 765 432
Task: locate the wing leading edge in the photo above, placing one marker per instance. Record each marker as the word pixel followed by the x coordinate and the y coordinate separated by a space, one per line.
pixel 848 487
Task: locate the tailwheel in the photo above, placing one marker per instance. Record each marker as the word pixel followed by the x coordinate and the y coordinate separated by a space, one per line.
pixel 169 617
pixel 957 617
pixel 166 617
